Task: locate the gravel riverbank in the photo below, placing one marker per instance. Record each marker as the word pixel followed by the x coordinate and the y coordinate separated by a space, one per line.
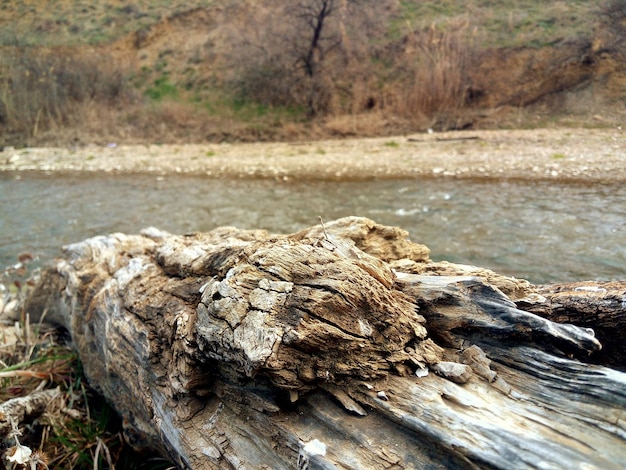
pixel 593 155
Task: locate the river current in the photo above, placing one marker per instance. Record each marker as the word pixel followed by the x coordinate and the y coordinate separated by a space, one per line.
pixel 541 231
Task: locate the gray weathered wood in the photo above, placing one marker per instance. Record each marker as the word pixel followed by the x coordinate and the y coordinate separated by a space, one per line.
pixel 597 305
pixel 241 349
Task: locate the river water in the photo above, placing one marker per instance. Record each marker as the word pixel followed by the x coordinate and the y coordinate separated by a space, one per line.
pixel 541 231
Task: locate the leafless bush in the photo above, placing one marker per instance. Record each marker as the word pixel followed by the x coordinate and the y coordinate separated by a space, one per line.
pixel 333 57
pixel 437 78
pixel 40 91
pixel 312 54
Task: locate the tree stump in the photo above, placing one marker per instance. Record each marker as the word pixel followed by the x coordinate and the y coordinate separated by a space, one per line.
pixel 341 346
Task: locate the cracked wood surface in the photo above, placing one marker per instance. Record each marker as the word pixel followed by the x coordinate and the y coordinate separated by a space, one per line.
pixel 240 349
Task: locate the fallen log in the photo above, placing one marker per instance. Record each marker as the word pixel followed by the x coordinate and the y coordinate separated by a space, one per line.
pixel 341 346
pixel 597 305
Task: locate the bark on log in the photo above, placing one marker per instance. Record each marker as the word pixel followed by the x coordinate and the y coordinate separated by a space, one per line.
pixel 341 346
pixel 597 305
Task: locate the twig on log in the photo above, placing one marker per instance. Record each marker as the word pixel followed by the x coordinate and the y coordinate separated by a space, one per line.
pixel 21 409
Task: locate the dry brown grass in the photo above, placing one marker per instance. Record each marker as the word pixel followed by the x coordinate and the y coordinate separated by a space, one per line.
pixel 43 90
pixel 437 78
pixel 235 73
pixel 367 124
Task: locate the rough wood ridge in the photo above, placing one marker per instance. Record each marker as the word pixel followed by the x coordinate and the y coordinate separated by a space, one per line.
pixel 341 346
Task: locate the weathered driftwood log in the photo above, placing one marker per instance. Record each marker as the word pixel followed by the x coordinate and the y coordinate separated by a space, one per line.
pixel 597 305
pixel 337 347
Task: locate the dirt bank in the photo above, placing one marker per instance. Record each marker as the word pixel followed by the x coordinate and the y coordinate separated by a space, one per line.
pixel 594 155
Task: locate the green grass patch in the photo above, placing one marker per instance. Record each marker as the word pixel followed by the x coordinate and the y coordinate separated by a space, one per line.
pixel 220 104
pixel 162 88
pixel 249 110
pixel 507 23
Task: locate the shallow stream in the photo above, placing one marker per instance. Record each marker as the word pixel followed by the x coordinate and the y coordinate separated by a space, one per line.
pixel 540 231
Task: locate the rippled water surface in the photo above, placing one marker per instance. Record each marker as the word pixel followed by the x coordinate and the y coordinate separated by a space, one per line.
pixel 540 231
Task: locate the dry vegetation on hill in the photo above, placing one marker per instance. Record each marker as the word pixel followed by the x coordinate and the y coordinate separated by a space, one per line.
pixel 75 72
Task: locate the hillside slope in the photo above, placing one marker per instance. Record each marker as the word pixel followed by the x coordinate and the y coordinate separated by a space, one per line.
pixel 238 70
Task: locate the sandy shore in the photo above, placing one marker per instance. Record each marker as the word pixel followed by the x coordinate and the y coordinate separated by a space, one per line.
pixel 593 155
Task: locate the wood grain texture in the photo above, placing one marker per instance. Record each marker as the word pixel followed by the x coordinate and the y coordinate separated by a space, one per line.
pixel 242 349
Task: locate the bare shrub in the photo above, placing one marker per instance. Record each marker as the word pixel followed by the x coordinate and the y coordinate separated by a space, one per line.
pixel 334 57
pixel 313 54
pixel 39 91
pixel 438 77
pixel 276 65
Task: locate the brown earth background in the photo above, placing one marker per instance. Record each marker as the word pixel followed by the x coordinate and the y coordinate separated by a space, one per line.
pixel 76 73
